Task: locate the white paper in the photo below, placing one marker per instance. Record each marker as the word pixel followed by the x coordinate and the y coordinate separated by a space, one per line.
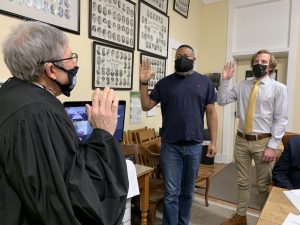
pixel 293 197
pixel 292 219
pixel 135 102
pixel 296 192
pixel 151 112
pixel 135 115
pixel 133 189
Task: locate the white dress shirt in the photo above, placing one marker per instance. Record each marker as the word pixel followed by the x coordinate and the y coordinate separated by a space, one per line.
pixel 271 109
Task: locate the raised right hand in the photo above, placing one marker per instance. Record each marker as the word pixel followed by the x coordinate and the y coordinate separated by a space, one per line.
pixel 228 71
pixel 146 73
pixel 103 112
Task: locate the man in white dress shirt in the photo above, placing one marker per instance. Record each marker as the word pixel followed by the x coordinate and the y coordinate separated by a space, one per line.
pixel 268 127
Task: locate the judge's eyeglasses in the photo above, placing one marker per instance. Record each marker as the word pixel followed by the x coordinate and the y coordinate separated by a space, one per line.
pixel 74 57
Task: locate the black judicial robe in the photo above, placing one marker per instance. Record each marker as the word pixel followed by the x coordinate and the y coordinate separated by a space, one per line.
pixel 47 176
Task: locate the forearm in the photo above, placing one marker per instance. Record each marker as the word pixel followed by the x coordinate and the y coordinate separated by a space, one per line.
pixel 280 119
pixel 225 94
pixel 212 124
pixel 145 98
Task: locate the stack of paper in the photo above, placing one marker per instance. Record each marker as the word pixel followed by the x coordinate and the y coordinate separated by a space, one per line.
pixel 292 219
pixel 294 197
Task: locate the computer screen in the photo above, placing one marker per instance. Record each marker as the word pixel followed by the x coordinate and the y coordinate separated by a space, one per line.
pixel 77 113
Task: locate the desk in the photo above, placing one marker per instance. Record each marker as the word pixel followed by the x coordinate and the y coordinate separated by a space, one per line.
pixel 143 174
pixel 276 209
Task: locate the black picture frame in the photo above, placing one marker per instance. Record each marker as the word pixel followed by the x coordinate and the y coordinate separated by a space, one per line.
pixel 158 65
pixel 182 7
pixel 113 21
pixel 153 35
pixel 64 15
pixel 112 67
pixel 161 5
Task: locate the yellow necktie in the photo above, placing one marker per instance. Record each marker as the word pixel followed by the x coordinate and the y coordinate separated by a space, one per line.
pixel 251 108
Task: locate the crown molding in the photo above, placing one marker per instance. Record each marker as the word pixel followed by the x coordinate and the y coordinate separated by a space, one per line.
pixel 210 1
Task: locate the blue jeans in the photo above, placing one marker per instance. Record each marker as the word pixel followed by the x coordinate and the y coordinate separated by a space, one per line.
pixel 179 168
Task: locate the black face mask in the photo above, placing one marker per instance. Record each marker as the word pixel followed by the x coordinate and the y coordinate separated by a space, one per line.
pixel 184 64
pixel 67 88
pixel 259 70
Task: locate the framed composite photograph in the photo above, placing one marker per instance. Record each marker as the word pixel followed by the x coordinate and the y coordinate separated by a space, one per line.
pixel 158 66
pixel 112 66
pixel 112 21
pixel 63 14
pixel 182 7
pixel 161 5
pixel 153 35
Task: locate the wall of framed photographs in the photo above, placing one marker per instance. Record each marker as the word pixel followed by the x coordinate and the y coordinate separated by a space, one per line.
pixel 112 66
pixel 112 25
pixel 106 58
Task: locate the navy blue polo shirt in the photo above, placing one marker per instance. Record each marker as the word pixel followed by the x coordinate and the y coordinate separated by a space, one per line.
pixel 183 101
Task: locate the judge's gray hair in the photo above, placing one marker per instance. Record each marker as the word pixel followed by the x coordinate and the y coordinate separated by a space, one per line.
pixel 29 45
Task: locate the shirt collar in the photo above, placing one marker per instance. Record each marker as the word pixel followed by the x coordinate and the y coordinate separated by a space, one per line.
pixel 264 80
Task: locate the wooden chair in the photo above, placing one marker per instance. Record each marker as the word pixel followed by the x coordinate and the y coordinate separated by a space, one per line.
pixel 284 140
pixel 125 138
pixel 144 136
pixel 286 137
pixel 145 157
pixel 131 136
pixel 203 182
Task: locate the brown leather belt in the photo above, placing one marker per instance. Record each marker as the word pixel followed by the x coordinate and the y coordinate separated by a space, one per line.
pixel 255 137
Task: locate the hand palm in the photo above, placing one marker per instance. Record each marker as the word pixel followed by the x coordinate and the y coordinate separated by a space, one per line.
pixel 228 71
pixel 145 72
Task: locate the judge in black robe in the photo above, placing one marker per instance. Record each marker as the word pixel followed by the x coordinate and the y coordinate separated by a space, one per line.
pixel 47 175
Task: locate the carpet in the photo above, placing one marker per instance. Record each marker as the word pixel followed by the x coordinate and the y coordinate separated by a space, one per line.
pixel 223 186
pixel 214 214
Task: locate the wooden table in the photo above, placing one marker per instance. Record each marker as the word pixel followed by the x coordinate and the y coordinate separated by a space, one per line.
pixel 143 174
pixel 276 209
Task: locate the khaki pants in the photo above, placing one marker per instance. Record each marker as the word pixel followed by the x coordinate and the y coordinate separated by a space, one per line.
pixel 244 152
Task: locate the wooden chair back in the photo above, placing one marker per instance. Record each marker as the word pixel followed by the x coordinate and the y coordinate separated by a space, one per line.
pixel 125 138
pixel 131 151
pixel 143 156
pixel 286 137
pixel 131 136
pixel 145 137
pixel 284 141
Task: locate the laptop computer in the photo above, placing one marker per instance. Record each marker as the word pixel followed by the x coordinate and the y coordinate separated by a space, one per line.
pixel 77 113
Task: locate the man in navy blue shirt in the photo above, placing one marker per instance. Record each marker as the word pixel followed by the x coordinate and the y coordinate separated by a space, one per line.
pixel 184 96
pixel 286 172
